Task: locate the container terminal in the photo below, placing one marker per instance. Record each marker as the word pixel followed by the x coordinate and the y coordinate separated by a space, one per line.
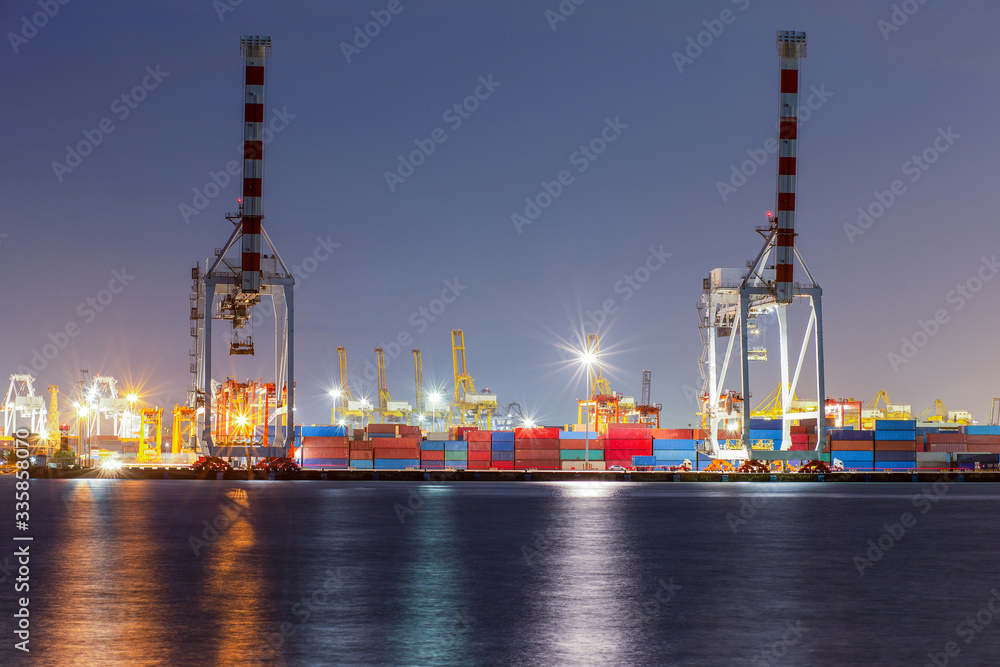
pixel 470 434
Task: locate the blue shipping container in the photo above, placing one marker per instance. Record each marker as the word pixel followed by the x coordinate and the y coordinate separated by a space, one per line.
pixel 324 431
pixel 661 443
pixel 367 465
pixel 576 435
pixel 432 446
pixel 396 464
pixel 456 446
pixel 881 436
pixel 502 446
pixel 502 436
pixel 503 455
pixel 895 424
pixel 981 429
pixel 643 460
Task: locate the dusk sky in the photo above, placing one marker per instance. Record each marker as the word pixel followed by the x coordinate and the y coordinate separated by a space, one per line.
pixel 124 224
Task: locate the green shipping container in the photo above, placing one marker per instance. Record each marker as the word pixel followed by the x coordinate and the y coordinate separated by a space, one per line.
pixel 456 456
pixel 578 455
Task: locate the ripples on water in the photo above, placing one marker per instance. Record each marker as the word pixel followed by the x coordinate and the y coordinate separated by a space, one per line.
pixel 316 573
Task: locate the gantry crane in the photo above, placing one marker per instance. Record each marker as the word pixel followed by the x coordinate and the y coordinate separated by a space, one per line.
pixel 388 410
pixel 418 375
pixel 647 412
pixel 52 432
pixel 938 412
pixel 734 298
pixel 995 412
pixel 882 407
pixel 353 410
pixel 22 402
pixel 150 435
pixel 603 406
pixel 184 434
pixel 469 408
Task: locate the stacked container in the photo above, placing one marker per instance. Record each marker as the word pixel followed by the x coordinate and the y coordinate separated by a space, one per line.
pixel 502 450
pixel 361 454
pixel 325 447
pixel 672 446
pixel 432 454
pixel 896 444
pixel 855 449
pixel 536 448
pixel 396 453
pixel 479 448
pixel 579 450
pixel 456 454
pixel 625 441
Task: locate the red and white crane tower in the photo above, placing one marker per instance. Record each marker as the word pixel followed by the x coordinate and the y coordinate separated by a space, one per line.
pixel 240 281
pixel 733 298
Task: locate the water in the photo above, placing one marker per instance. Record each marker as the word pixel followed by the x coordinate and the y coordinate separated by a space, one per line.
pixel 382 573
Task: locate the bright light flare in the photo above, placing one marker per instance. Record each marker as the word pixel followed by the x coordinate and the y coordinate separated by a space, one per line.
pixel 132 398
pixel 335 393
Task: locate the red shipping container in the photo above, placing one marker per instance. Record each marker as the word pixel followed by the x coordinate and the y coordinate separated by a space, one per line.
pixel 460 431
pixel 323 442
pixel 364 455
pixel 984 449
pixel 325 452
pixel 628 425
pixel 946 447
pixel 479 436
pixel 393 453
pixel 407 431
pixel 480 455
pixel 382 428
pixel 436 455
pixel 896 446
pixel 536 453
pixel 672 434
pixel 934 438
pixel 629 443
pixel 971 439
pixel 546 432
pixel 476 446
pixel 478 465
pixel 535 443
pixel 851 445
pixel 630 433
pixel 502 465
pixel 362 445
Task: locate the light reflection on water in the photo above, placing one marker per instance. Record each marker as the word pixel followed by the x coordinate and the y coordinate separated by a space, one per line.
pixel 481 573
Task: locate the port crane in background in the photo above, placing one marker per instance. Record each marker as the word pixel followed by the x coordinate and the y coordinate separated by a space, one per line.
pixel 184 431
pixel 245 410
pixel 995 412
pixel 22 407
pixel 938 412
pixel 603 406
pixel 418 374
pixel 231 286
pixel 468 407
pixel 388 410
pixel 734 299
pixel 53 437
pixel 645 412
pixel 353 411
pixel 882 407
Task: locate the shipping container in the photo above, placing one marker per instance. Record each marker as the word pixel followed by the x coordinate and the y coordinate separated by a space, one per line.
pixel 456 446
pixel 365 464
pixel 396 464
pixel 395 453
pixel 324 463
pixel 480 456
pixel 361 455
pixel 577 435
pixel 578 465
pixel 455 455
pixel 981 429
pixel 537 432
pixel 503 465
pixel 537 454
pixel 502 436
pixel 581 455
pixel 502 456
pixel 316 431
pixel 898 434
pixel 895 424
pixel 672 434
pixel 478 436
pixel 432 456
pixel 502 446
pixel 479 446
